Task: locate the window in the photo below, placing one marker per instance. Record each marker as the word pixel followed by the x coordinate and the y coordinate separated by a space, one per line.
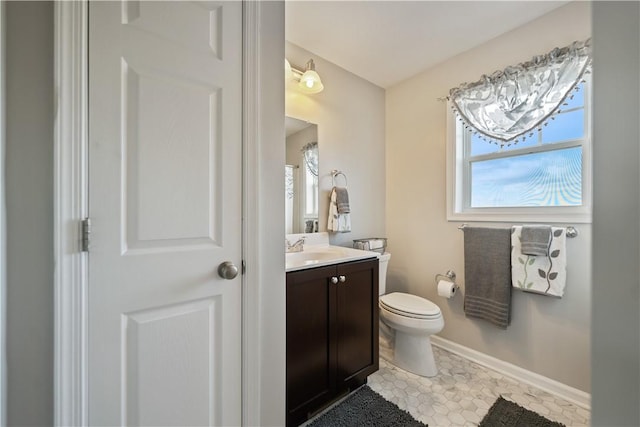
pixel 310 185
pixel 546 176
pixel 310 194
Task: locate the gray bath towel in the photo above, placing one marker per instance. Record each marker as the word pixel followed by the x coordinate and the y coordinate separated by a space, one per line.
pixel 535 239
pixel 487 272
pixel 342 199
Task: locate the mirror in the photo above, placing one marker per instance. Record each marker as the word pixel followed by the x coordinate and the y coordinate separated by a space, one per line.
pixel 301 177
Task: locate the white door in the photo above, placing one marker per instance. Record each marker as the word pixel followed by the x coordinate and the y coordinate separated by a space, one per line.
pixel 165 205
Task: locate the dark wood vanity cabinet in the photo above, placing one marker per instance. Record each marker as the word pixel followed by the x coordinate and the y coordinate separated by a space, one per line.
pixel 332 334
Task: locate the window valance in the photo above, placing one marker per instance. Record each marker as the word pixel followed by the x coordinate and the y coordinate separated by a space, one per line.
pixel 506 105
pixel 310 152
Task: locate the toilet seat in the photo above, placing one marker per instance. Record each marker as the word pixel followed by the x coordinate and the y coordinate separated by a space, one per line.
pixel 409 305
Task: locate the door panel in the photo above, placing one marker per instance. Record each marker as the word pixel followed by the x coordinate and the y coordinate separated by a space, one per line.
pixel 165 202
pixel 357 317
pixel 197 25
pixel 185 364
pixel 310 362
pixel 170 162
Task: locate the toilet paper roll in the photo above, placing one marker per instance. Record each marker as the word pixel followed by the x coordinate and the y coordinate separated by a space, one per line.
pixel 446 289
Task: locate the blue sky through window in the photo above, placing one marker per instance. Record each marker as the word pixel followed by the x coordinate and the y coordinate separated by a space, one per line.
pixel 566 126
pixel 544 169
pixel 552 178
pixel 563 127
pixel 548 178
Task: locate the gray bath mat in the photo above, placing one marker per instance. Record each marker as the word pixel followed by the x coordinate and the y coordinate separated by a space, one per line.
pixel 365 407
pixel 504 413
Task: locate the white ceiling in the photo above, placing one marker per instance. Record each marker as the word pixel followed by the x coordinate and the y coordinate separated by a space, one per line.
pixel 386 42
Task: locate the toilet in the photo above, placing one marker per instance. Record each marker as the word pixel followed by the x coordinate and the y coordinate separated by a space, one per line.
pixel 414 320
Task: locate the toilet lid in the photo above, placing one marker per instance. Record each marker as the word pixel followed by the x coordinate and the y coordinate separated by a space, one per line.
pixel 412 305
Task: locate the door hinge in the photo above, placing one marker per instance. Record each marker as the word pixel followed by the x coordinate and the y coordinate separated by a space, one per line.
pixel 85 231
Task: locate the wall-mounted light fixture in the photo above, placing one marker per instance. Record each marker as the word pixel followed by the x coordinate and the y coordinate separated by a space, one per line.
pixel 308 81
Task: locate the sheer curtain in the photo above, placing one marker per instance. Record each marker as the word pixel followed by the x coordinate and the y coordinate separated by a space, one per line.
pixel 310 152
pixel 508 104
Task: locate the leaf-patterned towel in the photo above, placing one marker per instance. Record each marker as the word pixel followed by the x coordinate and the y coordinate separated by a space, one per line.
pixel 540 274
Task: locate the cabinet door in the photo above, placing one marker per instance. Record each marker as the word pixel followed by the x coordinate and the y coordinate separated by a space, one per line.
pixel 357 323
pixel 310 365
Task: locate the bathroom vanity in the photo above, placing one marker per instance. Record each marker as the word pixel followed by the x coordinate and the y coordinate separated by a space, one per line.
pixel 332 327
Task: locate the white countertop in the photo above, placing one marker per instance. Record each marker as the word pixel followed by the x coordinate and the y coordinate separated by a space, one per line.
pixel 321 255
pixel 317 253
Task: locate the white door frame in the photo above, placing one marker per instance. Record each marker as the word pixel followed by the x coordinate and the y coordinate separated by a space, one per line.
pixel 71 206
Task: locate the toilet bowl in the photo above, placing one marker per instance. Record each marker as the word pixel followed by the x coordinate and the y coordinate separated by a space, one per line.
pixel 414 320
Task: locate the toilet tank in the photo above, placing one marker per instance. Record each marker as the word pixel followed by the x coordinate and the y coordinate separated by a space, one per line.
pixel 382 270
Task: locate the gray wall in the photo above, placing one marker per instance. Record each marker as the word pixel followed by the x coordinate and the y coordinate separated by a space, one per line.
pixel 423 242
pixel 350 118
pixel 29 194
pixel 616 220
pixel 271 208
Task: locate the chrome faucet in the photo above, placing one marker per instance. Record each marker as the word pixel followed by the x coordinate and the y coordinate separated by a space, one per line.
pixel 298 246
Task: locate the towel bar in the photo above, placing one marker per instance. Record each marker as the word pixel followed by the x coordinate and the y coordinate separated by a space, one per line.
pixel 571 230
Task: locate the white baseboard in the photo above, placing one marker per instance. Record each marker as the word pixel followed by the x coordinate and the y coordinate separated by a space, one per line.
pixel 573 395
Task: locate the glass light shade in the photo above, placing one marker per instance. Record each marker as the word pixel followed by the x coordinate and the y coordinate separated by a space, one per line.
pixel 310 82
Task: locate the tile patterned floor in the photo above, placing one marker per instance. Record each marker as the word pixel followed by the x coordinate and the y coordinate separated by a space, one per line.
pixel 462 393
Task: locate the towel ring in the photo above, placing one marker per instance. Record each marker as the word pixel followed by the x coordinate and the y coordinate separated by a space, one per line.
pixel 334 176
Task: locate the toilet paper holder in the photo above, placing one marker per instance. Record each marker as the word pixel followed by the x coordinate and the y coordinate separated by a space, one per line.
pixel 450 276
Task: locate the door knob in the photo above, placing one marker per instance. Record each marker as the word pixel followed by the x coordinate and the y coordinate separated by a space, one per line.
pixel 227 270
pixel 334 280
pixel 342 279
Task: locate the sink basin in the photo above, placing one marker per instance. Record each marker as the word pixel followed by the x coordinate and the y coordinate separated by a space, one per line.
pixel 316 256
pixel 311 256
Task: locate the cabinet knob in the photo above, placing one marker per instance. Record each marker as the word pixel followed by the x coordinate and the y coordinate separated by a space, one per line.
pixel 342 279
pixel 334 280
